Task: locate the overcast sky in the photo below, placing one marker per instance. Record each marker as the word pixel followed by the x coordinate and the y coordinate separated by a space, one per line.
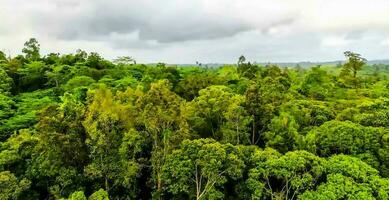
pixel 186 31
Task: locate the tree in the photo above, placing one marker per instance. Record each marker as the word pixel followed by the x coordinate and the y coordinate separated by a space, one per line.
pixel 99 195
pixel 78 81
pixel 60 154
pixel 336 137
pixel 349 178
pixel 316 84
pixel 253 107
pixel 107 125
pixel 78 195
pixel 217 111
pixel 241 60
pixel 308 113
pixel 24 108
pixel 3 57
pixel 246 69
pixel 11 187
pixel 6 82
pixel 11 66
pixel 200 167
pixel 32 76
pixel 7 106
pixel 95 61
pixel 162 115
pixel 235 129
pixel 192 83
pixel 31 50
pixel 273 91
pixel 283 177
pixel 354 63
pixel 282 134
pixel 16 151
pixel 125 60
pixel 58 75
pixel 51 58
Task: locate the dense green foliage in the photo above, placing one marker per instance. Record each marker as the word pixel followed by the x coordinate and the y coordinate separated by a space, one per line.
pixel 80 127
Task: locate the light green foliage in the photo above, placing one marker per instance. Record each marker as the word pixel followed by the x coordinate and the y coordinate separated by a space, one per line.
pixel 351 167
pixel 282 134
pixel 349 178
pixel 308 113
pixel 16 149
pixel 6 82
pixel 6 107
pixel 235 129
pixel 272 91
pixel 336 137
pixel 162 115
pixel 106 124
pixel 11 187
pixel 247 70
pixel 283 177
pixel 121 84
pixel 58 75
pixel 200 167
pixel 192 83
pixel 95 61
pixel 340 187
pixel 317 84
pixel 343 137
pixel 219 113
pixel 125 60
pixel 229 76
pixel 350 69
pixel 373 113
pixel 99 195
pixel 26 107
pixel 79 195
pixel 78 81
pixel 380 89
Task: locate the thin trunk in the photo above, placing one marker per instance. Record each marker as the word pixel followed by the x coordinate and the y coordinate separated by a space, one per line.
pixel 253 134
pixel 197 184
pixel 106 184
pixel 237 130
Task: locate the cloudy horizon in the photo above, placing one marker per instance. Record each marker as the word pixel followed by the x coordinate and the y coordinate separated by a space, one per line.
pixel 186 31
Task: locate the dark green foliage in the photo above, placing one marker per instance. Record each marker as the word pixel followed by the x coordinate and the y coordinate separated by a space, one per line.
pixel 31 50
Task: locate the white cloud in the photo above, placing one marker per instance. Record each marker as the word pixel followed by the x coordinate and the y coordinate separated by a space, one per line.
pixel 183 31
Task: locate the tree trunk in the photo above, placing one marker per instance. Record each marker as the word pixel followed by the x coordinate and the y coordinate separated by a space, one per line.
pixel 253 134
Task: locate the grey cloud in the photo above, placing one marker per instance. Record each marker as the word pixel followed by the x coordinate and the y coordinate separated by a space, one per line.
pixel 355 35
pixel 162 22
pixel 188 30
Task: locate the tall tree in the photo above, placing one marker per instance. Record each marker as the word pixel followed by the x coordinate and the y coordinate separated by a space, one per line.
pixel 253 107
pixel 162 116
pixel 354 63
pixel 109 127
pixel 31 50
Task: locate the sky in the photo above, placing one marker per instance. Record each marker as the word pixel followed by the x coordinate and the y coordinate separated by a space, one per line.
pixel 207 31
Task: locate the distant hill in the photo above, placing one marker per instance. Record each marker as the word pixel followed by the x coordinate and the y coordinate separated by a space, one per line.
pixel 304 64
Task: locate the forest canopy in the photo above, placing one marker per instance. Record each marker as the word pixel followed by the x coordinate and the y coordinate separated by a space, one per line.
pixel 78 126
